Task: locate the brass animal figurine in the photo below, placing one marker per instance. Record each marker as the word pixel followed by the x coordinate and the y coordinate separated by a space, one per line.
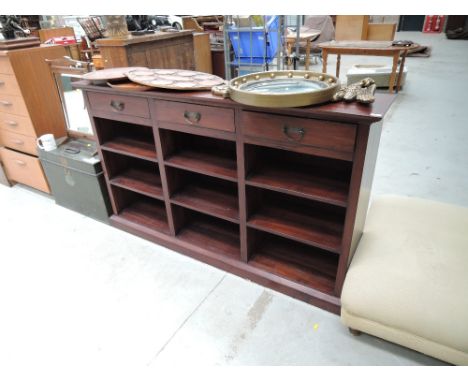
pixel 362 91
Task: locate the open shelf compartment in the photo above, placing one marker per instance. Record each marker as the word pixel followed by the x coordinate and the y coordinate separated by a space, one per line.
pixel 126 138
pixel 203 193
pixel 322 179
pixel 134 174
pixel 204 155
pixel 299 219
pixel 140 210
pixel 207 232
pixel 294 261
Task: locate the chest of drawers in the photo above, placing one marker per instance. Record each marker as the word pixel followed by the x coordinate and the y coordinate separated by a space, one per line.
pixel 29 107
pixel 278 196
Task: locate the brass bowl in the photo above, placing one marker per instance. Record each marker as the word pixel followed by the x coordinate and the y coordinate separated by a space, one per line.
pixel 283 88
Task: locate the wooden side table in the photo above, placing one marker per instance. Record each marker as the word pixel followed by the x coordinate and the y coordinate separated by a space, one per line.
pixel 367 48
pixel 306 37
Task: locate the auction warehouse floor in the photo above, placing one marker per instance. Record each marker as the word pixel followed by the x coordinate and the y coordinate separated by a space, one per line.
pixel 81 296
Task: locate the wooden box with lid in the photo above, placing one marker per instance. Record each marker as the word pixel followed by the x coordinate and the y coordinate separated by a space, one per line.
pixel 278 196
pixel 29 107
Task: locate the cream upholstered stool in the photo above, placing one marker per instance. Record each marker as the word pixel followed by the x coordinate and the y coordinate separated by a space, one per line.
pixel 408 280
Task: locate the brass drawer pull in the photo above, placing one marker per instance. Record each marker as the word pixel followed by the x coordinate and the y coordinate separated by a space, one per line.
pixel 294 134
pixel 20 162
pixel 117 105
pixel 17 141
pixel 192 116
pixel 6 103
pixel 11 123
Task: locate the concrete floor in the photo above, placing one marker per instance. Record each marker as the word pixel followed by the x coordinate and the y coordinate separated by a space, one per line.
pixel 77 295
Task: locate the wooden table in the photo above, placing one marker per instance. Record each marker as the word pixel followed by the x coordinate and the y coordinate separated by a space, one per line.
pixel 307 37
pixel 366 48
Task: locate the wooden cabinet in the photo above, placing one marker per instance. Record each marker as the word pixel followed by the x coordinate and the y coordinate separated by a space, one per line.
pixel 173 50
pixel 29 107
pixel 278 196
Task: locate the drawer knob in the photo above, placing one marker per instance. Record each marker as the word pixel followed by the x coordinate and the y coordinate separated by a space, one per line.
pixel 117 105
pixel 20 162
pixel 294 133
pixel 11 123
pixel 6 103
pixel 192 116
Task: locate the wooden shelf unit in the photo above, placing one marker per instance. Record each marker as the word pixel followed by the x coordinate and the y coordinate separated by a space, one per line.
pixel 230 189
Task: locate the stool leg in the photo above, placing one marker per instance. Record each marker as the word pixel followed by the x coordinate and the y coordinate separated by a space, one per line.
pixel 355 332
pixel 338 64
pixel 324 60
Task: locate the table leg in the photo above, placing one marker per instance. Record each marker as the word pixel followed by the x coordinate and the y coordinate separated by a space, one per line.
pixel 391 85
pixel 338 63
pixel 288 47
pixel 402 67
pixel 324 60
pixel 307 58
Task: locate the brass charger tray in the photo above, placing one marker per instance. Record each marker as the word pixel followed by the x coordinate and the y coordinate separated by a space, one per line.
pixel 176 79
pixel 282 88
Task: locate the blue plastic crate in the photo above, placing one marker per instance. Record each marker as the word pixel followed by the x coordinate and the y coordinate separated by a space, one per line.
pixel 249 43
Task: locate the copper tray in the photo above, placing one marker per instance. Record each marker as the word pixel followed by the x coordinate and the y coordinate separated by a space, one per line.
pixel 102 76
pixel 175 79
pixel 128 85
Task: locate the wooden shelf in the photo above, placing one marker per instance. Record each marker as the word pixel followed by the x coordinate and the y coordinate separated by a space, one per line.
pixel 213 235
pixel 204 163
pixel 297 262
pixel 140 180
pixel 321 231
pixel 215 202
pixel 148 214
pixel 300 183
pixel 131 147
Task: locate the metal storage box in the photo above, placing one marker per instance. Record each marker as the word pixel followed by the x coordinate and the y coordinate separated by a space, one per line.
pixel 76 178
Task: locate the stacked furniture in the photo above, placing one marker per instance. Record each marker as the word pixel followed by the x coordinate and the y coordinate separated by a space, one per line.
pixel 29 108
pixel 278 196
pixel 407 282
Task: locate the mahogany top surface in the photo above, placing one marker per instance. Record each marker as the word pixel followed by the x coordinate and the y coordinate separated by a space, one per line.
pixel 130 39
pixel 348 112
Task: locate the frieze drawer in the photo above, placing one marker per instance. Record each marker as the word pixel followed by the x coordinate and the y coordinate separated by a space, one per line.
pixel 217 118
pixel 302 133
pixel 119 105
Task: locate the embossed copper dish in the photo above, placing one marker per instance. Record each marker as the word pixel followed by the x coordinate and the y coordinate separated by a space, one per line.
pixel 102 76
pixel 282 88
pixel 175 79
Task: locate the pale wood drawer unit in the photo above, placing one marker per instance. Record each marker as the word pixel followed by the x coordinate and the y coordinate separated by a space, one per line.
pixel 5 66
pixel 9 85
pixel 328 138
pixel 18 142
pixel 29 107
pixel 216 118
pixel 17 124
pixel 119 105
pixel 13 104
pixel 23 168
